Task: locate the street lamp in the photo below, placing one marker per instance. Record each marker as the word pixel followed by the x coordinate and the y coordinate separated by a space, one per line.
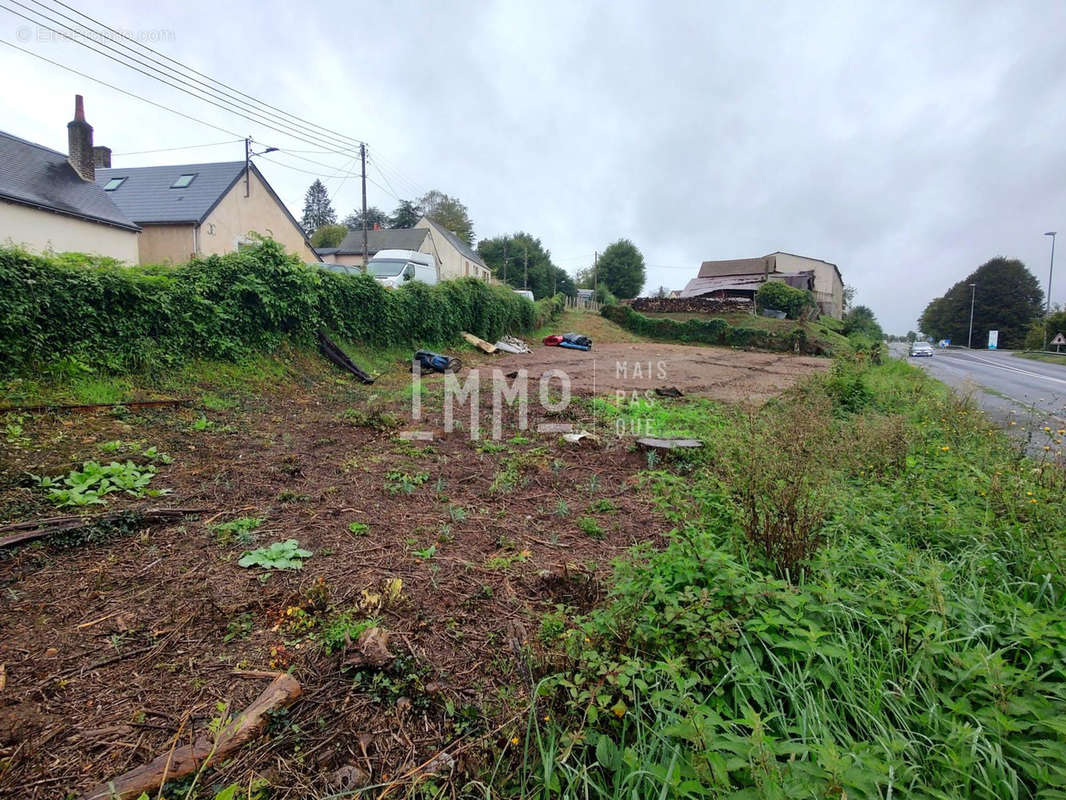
pixel 248 162
pixel 973 296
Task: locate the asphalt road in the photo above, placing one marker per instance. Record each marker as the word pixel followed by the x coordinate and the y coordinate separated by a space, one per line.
pixel 1031 394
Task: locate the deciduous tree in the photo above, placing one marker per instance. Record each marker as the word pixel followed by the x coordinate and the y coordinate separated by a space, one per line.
pixel 449 213
pixel 541 276
pixel 861 319
pixel 328 236
pixel 1007 297
pixel 621 269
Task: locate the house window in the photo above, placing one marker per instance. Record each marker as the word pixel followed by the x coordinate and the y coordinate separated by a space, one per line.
pixel 183 181
pixel 113 184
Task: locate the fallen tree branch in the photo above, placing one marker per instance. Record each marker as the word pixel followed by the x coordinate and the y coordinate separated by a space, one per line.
pixel 333 352
pixel 94 406
pixel 204 752
pixel 37 529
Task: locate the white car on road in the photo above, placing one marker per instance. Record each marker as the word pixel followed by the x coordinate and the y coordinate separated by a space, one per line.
pixel 919 349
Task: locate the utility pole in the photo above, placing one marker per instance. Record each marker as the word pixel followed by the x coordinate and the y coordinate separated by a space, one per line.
pixel 525 261
pixel 973 295
pixel 1051 272
pixel 505 259
pixel 366 249
pixel 595 271
pixel 248 163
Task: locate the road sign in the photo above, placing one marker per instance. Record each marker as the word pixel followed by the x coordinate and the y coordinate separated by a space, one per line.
pixel 1059 339
pixel 993 340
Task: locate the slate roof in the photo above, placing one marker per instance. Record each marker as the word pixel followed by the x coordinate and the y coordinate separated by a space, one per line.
pixel 382 239
pixel 147 198
pixel 36 176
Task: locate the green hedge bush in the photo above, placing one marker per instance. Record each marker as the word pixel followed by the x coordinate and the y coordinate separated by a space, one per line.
pixel 782 297
pixel 712 331
pixel 118 318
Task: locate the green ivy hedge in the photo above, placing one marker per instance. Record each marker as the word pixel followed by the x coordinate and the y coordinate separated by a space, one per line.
pixel 119 318
pixel 712 331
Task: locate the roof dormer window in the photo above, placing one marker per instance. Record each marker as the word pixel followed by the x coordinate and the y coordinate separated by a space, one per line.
pixel 113 184
pixel 183 181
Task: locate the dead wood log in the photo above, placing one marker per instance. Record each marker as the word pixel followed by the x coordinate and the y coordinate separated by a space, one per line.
pixel 95 406
pixel 37 529
pixel 205 751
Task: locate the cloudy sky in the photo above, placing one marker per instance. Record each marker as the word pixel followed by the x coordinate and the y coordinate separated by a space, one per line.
pixel 906 142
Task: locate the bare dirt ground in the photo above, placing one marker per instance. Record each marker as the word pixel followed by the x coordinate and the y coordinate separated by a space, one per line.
pixel 116 648
pixel 640 367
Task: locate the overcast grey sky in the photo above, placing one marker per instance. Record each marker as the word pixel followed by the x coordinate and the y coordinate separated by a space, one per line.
pixel 906 142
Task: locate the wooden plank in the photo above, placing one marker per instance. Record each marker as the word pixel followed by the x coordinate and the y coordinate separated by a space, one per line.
pixel 668 444
pixel 480 344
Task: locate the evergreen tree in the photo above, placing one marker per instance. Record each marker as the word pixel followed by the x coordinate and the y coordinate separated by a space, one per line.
pixel 374 216
pixel 406 215
pixel 318 211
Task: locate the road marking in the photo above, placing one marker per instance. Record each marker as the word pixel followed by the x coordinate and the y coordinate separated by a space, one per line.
pixel 1011 368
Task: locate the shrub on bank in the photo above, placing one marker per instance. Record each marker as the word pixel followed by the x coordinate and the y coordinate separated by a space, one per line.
pixel 782 297
pixel 119 318
pixel 712 331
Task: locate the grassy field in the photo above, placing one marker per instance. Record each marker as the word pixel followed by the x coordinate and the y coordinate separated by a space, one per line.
pixel 1047 358
pixel 881 619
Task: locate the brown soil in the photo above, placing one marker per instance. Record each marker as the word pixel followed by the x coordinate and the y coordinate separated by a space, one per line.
pixel 118 648
pixel 640 367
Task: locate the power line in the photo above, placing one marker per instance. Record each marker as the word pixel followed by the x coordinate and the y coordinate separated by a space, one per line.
pixel 171 149
pixel 212 80
pixel 386 179
pixel 119 89
pixel 265 119
pixel 180 86
pixel 303 126
pixel 399 174
pixel 184 116
pixel 136 96
pixel 307 171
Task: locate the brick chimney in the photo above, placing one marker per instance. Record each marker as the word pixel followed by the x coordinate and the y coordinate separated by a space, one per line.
pixel 80 142
pixel 102 157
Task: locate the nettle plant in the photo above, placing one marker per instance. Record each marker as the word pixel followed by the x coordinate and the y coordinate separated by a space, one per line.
pixel 90 485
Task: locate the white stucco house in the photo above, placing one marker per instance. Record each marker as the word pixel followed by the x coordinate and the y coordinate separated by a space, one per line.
pixel 49 201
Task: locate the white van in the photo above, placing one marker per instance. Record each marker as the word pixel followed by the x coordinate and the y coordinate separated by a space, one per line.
pixel 524 293
pixel 394 268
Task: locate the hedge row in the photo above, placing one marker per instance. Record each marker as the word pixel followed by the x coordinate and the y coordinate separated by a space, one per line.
pixel 119 318
pixel 712 331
